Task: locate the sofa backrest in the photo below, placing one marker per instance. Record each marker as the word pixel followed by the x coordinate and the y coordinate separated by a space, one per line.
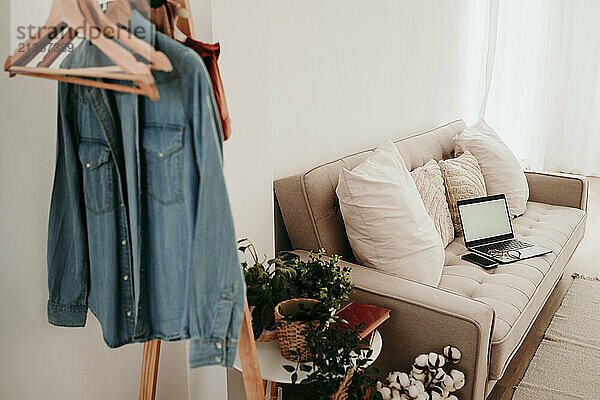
pixel 309 204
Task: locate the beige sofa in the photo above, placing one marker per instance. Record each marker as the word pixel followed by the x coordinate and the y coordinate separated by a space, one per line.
pixel 485 313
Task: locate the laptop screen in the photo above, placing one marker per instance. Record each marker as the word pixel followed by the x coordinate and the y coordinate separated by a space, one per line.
pixel 485 219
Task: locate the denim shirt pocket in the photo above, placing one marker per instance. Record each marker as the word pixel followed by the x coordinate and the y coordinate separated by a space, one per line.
pixel 163 159
pixel 97 176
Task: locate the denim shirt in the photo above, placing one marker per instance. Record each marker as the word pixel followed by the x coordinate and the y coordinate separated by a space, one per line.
pixel 140 227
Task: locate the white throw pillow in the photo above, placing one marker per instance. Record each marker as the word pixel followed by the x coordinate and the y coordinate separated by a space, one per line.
pixel 501 170
pixel 386 222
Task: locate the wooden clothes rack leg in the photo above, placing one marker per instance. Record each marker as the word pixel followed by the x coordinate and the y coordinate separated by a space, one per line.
pixel 149 375
pixel 247 352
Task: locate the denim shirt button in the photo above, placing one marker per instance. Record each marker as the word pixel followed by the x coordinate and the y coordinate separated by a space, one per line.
pixel 129 313
pixel 217 359
pixel 122 205
pixel 88 165
pixel 219 345
pixel 126 277
pixel 123 242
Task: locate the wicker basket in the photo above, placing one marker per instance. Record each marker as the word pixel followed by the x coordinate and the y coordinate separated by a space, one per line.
pixel 290 334
pixel 267 336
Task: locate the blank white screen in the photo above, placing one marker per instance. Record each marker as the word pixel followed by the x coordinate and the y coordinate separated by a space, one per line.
pixel 484 220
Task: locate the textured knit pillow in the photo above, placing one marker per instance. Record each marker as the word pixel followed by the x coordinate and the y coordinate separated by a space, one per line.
pixel 463 180
pixel 499 166
pixel 386 222
pixel 430 185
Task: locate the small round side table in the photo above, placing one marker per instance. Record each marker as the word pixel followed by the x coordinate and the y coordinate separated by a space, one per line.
pixel 271 363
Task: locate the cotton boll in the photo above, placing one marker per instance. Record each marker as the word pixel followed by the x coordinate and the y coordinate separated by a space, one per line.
pixel 418 374
pixel 458 379
pixel 413 391
pixel 452 397
pixel 438 375
pixel 396 395
pixel 435 396
pixel 419 385
pixel 457 375
pixel 421 360
pixel 386 393
pixel 448 383
pixel 419 377
pixel 394 385
pixel 394 380
pixel 423 396
pixel 439 392
pixel 403 379
pixel 435 361
pixel 392 376
pixel 452 354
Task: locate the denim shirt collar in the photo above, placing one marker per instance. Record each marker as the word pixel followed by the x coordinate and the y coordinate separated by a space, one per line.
pixel 142 28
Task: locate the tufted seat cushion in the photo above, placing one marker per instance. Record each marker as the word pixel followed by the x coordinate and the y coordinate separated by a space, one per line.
pixel 517 291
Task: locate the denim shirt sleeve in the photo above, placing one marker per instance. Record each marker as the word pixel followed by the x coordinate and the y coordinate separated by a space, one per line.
pixel 218 290
pixel 67 240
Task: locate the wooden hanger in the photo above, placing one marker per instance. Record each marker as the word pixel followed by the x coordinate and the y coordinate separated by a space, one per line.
pixel 119 11
pixel 92 11
pixel 68 14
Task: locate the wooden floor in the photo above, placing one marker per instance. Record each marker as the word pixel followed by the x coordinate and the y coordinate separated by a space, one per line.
pixel 585 260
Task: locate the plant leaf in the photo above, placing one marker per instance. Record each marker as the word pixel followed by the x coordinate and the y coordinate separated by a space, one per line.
pixel 305 368
pixel 289 368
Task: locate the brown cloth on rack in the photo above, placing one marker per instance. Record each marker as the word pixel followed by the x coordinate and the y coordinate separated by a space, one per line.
pixel 210 55
pixel 165 21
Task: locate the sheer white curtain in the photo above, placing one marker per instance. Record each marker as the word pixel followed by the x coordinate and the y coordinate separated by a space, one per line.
pixel 545 87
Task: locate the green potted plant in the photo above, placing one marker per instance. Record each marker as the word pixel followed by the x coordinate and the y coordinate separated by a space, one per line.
pixel 272 281
pixel 268 282
pixel 319 277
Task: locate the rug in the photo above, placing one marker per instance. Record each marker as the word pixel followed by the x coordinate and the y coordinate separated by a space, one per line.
pixel 566 365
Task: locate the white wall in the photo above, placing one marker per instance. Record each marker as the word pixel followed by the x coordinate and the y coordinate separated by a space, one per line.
pixel 242 29
pixel 348 74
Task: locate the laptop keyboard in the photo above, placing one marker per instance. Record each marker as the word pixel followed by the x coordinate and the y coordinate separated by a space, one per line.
pixel 513 244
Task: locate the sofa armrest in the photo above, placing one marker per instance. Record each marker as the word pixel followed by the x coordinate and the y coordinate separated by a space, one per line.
pixel 558 189
pixel 424 319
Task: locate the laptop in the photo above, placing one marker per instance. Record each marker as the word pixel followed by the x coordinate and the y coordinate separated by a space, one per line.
pixel 488 230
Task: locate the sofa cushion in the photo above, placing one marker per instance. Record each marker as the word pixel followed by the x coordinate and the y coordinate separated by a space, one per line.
pixel 430 184
pixel 517 291
pixel 463 180
pixel 501 169
pixel 386 221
